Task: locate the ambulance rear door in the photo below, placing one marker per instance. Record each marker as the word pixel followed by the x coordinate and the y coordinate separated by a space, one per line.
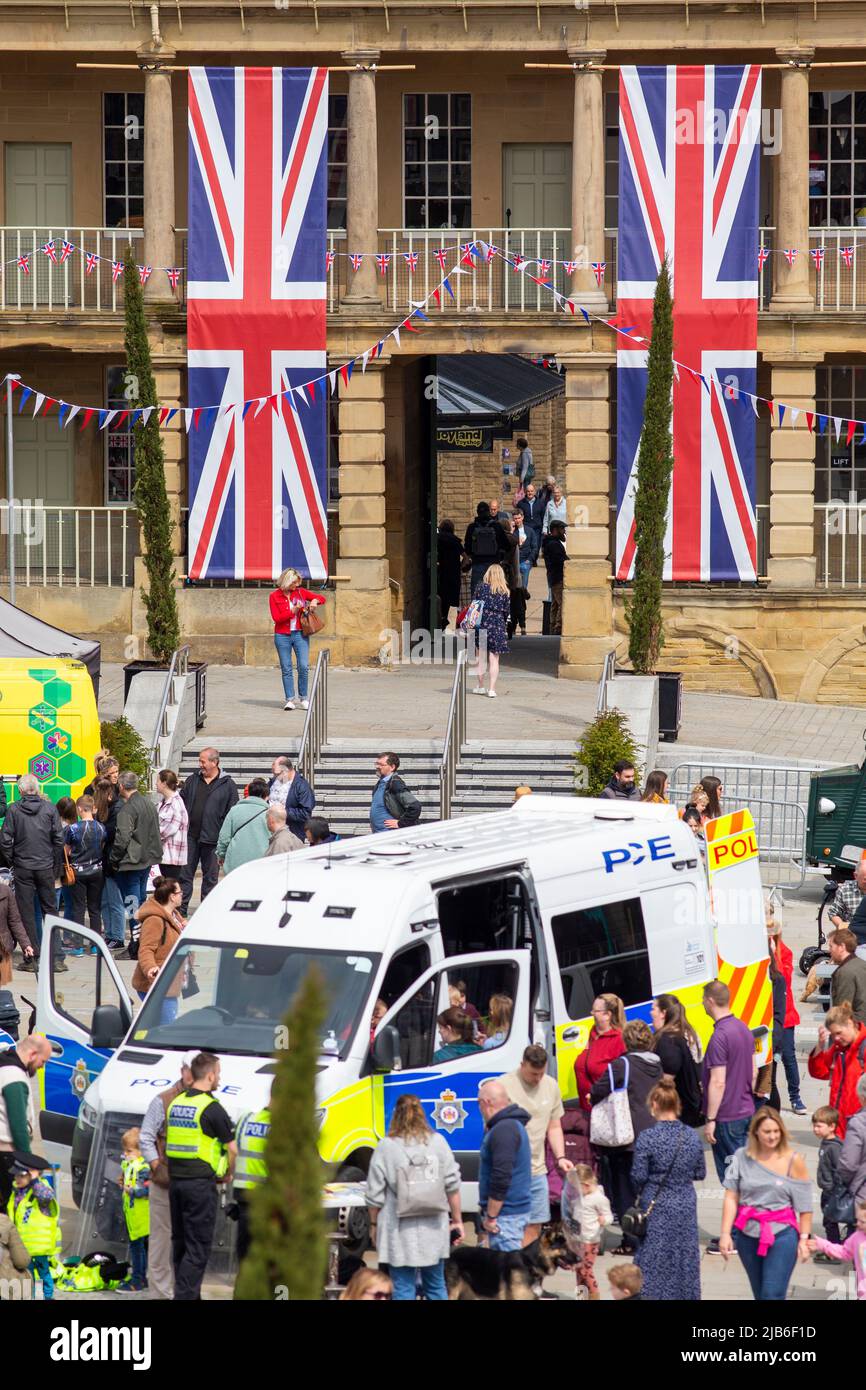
pixel 85 1014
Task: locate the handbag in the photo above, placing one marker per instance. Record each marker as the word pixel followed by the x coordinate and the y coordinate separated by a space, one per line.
pixel 191 985
pixel 472 616
pixel 421 1184
pixel 634 1220
pixel 309 621
pixel 67 872
pixel 610 1123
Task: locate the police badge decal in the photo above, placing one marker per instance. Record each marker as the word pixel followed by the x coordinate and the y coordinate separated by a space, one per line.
pixel 448 1112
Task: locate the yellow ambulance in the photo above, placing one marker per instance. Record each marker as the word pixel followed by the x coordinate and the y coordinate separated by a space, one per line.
pixel 48 724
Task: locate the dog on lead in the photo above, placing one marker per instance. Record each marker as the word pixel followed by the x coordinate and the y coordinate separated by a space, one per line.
pixel 474 1273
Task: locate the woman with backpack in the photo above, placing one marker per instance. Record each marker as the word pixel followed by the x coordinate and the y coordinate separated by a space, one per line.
pixel 161 924
pixel 412 1185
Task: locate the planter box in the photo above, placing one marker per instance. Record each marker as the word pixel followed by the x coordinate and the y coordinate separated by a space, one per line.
pixel 198 668
pixel 670 704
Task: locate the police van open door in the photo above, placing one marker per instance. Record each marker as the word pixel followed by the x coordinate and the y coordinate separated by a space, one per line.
pixel 83 1022
pixel 737 893
pixel 402 1057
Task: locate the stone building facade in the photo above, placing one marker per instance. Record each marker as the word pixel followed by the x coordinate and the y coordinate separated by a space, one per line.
pixel 520 156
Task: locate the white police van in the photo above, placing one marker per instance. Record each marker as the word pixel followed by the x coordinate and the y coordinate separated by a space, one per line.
pixel 550 903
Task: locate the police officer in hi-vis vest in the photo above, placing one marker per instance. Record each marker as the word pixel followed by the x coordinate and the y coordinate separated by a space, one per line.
pixel 250 1168
pixel 200 1149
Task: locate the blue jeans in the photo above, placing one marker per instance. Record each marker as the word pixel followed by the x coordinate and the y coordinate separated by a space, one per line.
pixel 113 915
pixel 168 1011
pixel 138 1261
pixel 132 886
pixel 730 1136
pixel 511 1230
pixel 286 643
pixel 404 1278
pixel 789 1061
pixel 768 1274
pixel 525 567
pixel 40 1265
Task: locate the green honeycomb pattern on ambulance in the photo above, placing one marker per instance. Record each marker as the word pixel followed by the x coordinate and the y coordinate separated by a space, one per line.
pixel 58 742
pixel 57 692
pixel 42 717
pixel 42 767
pixel 71 766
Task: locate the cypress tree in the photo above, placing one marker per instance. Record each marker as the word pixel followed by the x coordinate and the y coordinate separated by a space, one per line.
pixel 151 498
pixel 654 467
pixel 288 1248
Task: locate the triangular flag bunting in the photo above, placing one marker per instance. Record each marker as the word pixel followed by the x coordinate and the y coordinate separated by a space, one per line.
pixel 332 381
pixel 810 420
pixel 781 408
pixel 852 426
pixel 40 400
pixel 88 416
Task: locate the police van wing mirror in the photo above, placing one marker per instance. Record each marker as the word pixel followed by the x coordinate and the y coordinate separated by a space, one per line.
pixel 108 1026
pixel 386 1049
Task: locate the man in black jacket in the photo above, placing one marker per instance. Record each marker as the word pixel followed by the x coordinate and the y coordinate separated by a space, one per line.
pixel 393 806
pixel 622 785
pixel 553 550
pixel 208 795
pixel 485 542
pixel 32 842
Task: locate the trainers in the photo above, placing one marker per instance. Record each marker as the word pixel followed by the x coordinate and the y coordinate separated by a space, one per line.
pixel 798 1107
pixel 305 704
pixel 492 694
pixel 290 704
pixel 29 965
pixel 479 690
pixel 75 951
pixel 94 951
pixel 116 945
pixel 60 965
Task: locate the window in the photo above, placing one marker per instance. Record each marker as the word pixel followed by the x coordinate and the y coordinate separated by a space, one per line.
pixel 123 158
pixel 840 468
pixel 98 989
pixel 416 1021
pixel 489 916
pixel 611 158
pixel 837 158
pixel 437 159
pixel 602 950
pixel 333 449
pixel 404 968
pixel 338 155
pixel 119 447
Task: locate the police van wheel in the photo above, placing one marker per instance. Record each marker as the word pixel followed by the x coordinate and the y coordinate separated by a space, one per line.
pixel 354 1222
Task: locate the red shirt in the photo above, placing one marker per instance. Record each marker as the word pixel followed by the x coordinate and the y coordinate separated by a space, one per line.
pixel 286 608
pixel 842 1066
pixel 785 957
pixel 601 1049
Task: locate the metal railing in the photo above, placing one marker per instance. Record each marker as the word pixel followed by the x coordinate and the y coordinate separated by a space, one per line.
pixel 455 738
pixel 840 529
pixel 315 732
pixel 75 547
pixel 608 671
pixel 66 287
pixel 179 666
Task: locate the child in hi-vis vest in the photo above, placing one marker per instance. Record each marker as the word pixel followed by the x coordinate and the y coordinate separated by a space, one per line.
pixel 135 1184
pixel 35 1211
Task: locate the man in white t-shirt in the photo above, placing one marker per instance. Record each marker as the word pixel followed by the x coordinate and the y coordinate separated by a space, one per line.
pixel 530 1087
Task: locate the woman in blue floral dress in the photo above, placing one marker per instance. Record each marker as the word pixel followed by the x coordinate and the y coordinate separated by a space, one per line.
pixel 491 633
pixel 670 1256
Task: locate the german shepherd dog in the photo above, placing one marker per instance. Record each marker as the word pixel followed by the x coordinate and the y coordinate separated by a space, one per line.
pixel 473 1273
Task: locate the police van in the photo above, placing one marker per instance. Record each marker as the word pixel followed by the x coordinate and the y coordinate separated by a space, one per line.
pixel 550 903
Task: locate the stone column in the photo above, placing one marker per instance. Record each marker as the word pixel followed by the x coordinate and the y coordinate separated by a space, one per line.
pixel 587 176
pixel 792 482
pixel 159 216
pixel 791 283
pixel 587 618
pixel 363 604
pixel 362 180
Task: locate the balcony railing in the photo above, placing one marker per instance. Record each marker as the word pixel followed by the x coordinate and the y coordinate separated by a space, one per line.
pixel 493 286
pixel 67 287
pixel 840 545
pixel 838 287
pixel 71 547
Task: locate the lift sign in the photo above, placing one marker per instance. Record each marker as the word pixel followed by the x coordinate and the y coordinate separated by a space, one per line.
pixel 635 853
pixel 721 854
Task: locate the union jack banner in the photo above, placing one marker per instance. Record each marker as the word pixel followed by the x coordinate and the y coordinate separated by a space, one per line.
pixel 173 273
pixel 817 254
pixel 383 261
pixel 467 251
pixel 91 263
pixel 847 254
pixel 48 250
pixel 66 251
pixel 116 271
pixel 256 320
pixel 544 269
pixel 688 191
pixel 763 257
pixel 517 260
pixel 790 253
pixel 599 267
pixel 329 259
pixel 492 251
pixel 440 256
pixel 570 267
pixel 411 259
pixel 356 258
pixel 23 263
pixel 144 273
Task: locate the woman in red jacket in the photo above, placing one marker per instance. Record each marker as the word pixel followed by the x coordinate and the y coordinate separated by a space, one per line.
pixel 288 602
pixel 843 1061
pixel 603 1045
pixel 785 962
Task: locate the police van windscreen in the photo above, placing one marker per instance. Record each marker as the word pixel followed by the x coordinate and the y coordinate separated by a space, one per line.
pixel 233 997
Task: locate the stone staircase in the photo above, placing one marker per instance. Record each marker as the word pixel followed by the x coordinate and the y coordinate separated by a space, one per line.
pixel 345 776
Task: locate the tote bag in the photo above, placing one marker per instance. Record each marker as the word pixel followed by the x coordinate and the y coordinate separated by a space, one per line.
pixel 610 1125
pixel 421 1184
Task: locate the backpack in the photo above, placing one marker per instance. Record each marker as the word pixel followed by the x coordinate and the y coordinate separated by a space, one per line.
pixel 484 546
pixel 421 1184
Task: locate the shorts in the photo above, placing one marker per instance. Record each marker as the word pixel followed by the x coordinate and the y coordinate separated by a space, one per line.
pixel 539 1200
pixel 510 1234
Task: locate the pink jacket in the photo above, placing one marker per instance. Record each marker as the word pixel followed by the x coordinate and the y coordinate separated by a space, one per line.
pixel 853 1249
